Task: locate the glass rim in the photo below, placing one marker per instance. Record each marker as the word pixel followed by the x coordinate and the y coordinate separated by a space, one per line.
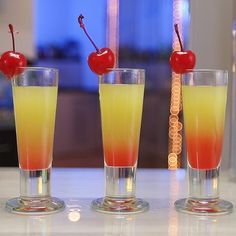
pixel 37 68
pixel 125 69
pixel 205 71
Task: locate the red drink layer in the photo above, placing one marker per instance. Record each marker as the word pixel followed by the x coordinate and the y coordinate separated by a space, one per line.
pixel 121 156
pixel 204 151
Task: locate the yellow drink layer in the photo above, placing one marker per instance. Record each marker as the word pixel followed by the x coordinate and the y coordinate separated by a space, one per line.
pixel 35 109
pixel 121 111
pixel 204 115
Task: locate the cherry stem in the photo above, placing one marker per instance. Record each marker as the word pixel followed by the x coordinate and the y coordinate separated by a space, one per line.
pixel 80 20
pixel 180 42
pixel 12 36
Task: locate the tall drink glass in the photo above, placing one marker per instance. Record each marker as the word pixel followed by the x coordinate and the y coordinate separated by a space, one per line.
pixel 121 101
pixel 204 103
pixel 35 99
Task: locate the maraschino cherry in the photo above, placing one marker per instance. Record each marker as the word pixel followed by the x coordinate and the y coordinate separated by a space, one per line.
pixel 101 60
pixel 181 61
pixel 11 60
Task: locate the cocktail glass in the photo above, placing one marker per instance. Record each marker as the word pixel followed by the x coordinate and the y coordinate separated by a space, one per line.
pixel 35 98
pixel 121 101
pixel 204 103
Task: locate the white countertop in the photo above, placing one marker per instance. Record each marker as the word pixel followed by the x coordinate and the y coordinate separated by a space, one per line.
pixel 77 187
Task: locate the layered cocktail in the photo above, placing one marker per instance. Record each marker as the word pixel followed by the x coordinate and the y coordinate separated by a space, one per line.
pixel 204 105
pixel 121 100
pixel 35 99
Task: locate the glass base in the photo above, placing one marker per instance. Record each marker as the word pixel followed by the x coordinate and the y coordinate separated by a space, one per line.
pixel 36 206
pixel 120 206
pixel 204 206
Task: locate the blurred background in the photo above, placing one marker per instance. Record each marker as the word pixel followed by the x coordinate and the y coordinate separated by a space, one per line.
pixel 50 36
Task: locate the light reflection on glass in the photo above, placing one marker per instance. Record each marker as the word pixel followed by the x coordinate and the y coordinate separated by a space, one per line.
pixel 201 224
pixel 40 225
pixel 129 185
pixel 74 213
pixel 119 225
pixel 40 185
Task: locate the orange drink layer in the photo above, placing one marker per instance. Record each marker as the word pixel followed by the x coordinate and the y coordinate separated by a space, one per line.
pixel 204 117
pixel 35 109
pixel 121 112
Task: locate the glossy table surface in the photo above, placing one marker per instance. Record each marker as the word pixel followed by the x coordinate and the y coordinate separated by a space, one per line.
pixel 77 187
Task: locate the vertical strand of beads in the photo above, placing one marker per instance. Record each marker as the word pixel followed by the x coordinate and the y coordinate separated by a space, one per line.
pixel 175 125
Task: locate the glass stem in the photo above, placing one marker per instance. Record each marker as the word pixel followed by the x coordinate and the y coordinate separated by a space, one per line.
pixel 203 184
pixel 35 184
pixel 120 182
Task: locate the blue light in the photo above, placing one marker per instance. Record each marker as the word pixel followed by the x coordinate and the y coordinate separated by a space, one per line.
pixel 56 22
pixel 146 24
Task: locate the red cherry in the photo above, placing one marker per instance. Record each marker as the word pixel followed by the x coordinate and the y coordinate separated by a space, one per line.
pixel 11 60
pixel 181 61
pixel 101 60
